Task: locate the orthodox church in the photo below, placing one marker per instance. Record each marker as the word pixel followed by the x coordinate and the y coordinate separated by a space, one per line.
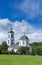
pixel 23 41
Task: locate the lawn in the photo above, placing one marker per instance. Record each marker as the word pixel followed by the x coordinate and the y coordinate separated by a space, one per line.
pixel 20 60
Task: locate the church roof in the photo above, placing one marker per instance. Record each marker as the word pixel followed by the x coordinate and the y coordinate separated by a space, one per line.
pixel 15 46
pixel 24 37
pixel 10 32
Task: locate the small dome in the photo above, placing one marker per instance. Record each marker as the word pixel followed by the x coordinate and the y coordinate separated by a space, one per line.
pixel 24 37
pixel 11 31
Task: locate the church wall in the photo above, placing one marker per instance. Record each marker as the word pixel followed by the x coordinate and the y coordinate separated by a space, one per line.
pixel 10 38
pixel 22 43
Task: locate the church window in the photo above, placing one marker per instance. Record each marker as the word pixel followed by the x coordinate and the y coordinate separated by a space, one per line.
pixel 8 41
pixel 8 36
pixel 11 42
pixel 11 35
pixel 23 42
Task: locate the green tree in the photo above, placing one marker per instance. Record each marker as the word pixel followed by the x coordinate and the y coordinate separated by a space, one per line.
pixel 4 47
pixel 39 43
pixel 23 50
pixel 0 48
pixel 34 44
pixel 38 50
pixel 35 47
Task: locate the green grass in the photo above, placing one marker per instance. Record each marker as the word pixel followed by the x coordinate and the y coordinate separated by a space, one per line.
pixel 20 60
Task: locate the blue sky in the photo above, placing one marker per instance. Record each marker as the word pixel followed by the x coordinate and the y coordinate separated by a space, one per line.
pixel 26 14
pixel 30 10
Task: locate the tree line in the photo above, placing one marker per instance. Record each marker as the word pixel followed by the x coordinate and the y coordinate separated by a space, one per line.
pixel 36 49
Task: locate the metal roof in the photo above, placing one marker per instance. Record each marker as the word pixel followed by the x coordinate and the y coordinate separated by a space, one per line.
pixel 24 37
pixel 10 32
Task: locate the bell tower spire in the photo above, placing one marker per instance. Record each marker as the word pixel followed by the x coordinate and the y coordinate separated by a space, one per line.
pixel 10 37
pixel 11 29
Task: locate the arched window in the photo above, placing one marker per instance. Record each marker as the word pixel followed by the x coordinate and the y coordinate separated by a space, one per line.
pixel 23 42
pixel 8 36
pixel 11 35
pixel 11 42
pixel 8 41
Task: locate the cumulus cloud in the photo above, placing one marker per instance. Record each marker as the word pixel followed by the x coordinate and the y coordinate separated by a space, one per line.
pixel 5 24
pixel 35 37
pixel 19 28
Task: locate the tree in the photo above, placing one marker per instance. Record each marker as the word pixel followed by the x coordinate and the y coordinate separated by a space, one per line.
pixel 34 44
pixel 0 48
pixel 23 50
pixel 4 47
pixel 39 43
pixel 38 50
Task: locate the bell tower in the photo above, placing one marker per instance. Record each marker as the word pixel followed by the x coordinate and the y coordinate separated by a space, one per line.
pixel 11 37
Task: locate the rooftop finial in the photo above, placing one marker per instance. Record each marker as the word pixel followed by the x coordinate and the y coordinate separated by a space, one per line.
pixel 11 29
pixel 23 33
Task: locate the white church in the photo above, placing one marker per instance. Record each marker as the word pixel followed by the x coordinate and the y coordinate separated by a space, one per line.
pixel 23 41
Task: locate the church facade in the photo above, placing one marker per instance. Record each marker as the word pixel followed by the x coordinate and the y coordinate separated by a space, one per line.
pixel 23 41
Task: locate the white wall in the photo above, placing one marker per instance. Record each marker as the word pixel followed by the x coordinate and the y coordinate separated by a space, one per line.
pixel 22 42
pixel 10 49
pixel 9 38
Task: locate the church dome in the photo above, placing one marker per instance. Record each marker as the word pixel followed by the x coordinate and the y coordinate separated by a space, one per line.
pixel 24 37
pixel 11 31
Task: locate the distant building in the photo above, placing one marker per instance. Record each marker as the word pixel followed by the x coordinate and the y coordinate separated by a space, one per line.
pixel 23 41
pixel 11 42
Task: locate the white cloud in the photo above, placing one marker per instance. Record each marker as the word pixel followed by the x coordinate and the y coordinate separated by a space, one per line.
pixel 3 37
pixel 19 28
pixel 35 37
pixel 4 22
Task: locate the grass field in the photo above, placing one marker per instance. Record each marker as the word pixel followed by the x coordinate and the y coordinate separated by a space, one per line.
pixel 20 60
